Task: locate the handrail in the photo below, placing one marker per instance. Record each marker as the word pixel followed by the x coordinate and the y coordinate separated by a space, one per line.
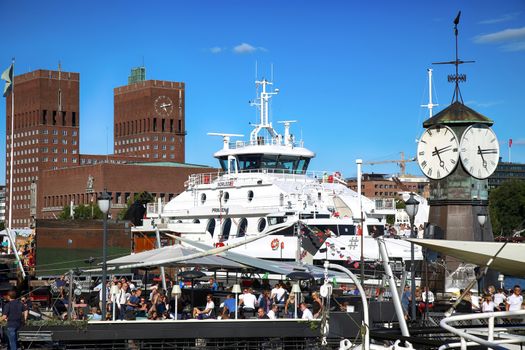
pixel 474 340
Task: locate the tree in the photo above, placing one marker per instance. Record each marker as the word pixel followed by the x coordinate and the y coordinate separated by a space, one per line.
pixel 143 197
pixel 81 212
pixel 507 207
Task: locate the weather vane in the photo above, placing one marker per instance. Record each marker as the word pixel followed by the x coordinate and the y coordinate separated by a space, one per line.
pixel 456 78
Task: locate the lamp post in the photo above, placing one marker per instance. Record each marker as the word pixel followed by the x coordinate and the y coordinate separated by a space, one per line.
pixel 176 291
pixel 482 219
pixel 104 203
pixel 411 207
pixel 236 290
pixel 297 290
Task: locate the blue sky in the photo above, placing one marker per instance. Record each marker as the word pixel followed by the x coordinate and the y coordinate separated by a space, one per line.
pixel 352 72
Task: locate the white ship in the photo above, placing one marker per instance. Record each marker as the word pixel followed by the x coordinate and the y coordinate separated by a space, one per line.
pixel 265 181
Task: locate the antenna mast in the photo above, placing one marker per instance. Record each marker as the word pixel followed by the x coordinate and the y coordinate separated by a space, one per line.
pixel 456 78
pixel 430 105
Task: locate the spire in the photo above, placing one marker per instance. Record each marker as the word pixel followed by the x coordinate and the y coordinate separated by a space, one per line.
pixel 456 78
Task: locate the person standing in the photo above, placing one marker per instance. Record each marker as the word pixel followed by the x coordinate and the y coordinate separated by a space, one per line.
pixel 488 305
pixel 15 313
pixel 515 301
pixel 406 299
pixel 499 299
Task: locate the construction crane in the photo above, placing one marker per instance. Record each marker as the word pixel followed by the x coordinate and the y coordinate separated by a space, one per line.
pixel 401 162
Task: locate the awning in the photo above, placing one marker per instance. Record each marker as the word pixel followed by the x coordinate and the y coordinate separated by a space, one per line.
pixel 174 252
pixel 509 261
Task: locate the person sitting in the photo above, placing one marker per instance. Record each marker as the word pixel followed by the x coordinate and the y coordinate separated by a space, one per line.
pixel 229 303
pixel 261 315
pixel 213 285
pixel 317 305
pixel 208 309
pixel 247 301
pixel 272 314
pixel 426 303
pixel 499 300
pixel 94 315
pixel 488 305
pixel 307 314
pixel 225 314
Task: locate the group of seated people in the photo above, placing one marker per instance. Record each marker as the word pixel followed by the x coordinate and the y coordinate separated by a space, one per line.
pixel 270 304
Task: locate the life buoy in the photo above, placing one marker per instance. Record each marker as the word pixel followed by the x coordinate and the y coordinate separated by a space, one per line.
pixel 206 179
pixel 275 244
pixel 282 245
pixel 219 244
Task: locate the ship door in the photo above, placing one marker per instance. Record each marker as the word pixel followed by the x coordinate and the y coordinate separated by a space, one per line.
pixel 232 165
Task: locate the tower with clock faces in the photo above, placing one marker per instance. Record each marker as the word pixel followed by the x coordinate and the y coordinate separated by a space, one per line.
pixel 149 120
pixel 458 151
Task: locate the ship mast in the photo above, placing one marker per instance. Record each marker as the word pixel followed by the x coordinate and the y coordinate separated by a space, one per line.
pixel 430 105
pixel 262 102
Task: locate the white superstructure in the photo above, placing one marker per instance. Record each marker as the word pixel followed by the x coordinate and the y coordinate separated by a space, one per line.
pixel 265 181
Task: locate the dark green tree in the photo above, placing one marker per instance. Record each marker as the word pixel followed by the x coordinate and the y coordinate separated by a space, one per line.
pixel 507 207
pixel 144 197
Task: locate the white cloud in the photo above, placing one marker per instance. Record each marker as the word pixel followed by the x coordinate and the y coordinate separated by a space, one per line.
pixel 216 49
pixel 503 18
pixel 244 48
pixel 486 104
pixel 501 36
pixel 509 39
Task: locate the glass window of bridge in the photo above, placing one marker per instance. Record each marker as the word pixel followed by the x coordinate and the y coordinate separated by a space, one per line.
pixel 243 226
pixel 226 227
pixel 210 228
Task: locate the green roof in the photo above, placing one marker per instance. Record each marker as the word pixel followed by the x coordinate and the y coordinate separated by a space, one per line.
pixel 457 113
pixel 170 164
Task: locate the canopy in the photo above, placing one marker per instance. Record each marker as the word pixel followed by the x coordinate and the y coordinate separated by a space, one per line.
pixel 509 261
pixel 152 258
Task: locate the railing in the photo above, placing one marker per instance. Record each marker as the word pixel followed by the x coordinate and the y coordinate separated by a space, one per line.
pixel 232 179
pixel 385 204
pixel 468 339
pixel 262 142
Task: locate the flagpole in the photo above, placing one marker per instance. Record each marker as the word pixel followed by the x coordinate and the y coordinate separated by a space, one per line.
pixel 11 160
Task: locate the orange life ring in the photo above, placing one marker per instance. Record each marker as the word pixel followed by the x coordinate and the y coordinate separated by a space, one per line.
pixel 275 244
pixel 206 179
pixel 219 244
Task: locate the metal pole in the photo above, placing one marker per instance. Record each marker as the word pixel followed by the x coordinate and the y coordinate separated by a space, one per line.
pixel 236 304
pixel 359 175
pixel 163 274
pixel 412 273
pixel 11 160
pixel 296 302
pixel 392 285
pixel 366 330
pixel 70 296
pixel 104 267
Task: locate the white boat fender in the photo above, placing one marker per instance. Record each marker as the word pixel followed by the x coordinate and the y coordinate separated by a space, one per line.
pixel 345 344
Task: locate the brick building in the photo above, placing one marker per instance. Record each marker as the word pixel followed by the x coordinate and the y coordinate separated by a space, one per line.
pixel 149 126
pixel 375 186
pixel 149 120
pixel 81 184
pixel 46 134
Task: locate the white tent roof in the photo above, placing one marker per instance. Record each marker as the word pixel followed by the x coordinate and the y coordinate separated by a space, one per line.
pixel 509 261
pixel 152 258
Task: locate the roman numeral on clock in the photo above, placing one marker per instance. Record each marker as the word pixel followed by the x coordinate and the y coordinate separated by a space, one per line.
pixel 424 164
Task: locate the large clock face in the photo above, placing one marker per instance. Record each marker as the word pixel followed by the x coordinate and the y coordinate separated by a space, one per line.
pixel 163 106
pixel 479 151
pixel 437 152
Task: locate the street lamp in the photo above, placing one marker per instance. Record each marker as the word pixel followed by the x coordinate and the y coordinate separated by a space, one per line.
pixel 176 291
pixel 482 219
pixel 236 290
pixel 411 207
pixel 104 203
pixel 297 290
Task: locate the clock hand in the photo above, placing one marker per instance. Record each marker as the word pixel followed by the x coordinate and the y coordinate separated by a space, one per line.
pixel 488 151
pixel 436 153
pixel 482 158
pixel 444 149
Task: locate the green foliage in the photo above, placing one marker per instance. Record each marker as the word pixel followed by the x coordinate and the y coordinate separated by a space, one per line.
pixel 507 207
pixel 400 204
pixel 81 212
pixel 2 226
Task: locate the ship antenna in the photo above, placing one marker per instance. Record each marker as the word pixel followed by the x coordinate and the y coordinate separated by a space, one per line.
pixel 430 105
pixel 456 78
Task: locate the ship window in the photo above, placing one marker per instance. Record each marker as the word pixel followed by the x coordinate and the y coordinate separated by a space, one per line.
pixel 277 220
pixel 211 227
pixel 203 198
pixel 226 197
pixel 261 225
pixel 226 227
pixel 250 196
pixel 243 225
pixel 196 221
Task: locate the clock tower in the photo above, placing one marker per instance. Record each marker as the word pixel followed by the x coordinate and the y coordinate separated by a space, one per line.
pixel 458 151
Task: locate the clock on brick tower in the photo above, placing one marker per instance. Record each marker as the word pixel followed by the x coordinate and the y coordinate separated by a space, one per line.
pixel 462 151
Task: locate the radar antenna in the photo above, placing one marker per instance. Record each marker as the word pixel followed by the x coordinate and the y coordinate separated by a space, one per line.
pixel 288 138
pixel 456 78
pixel 225 138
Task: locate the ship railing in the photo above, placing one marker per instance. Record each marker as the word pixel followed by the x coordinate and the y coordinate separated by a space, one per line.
pixel 285 174
pixel 495 335
pixel 263 142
